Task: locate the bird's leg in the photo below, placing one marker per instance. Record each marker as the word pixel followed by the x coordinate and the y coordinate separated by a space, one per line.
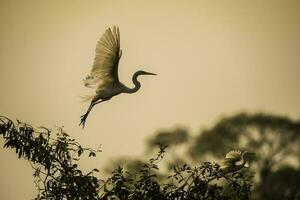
pixel 99 101
pixel 83 117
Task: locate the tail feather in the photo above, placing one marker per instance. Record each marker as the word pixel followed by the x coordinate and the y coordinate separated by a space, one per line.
pixel 87 98
pixel 90 81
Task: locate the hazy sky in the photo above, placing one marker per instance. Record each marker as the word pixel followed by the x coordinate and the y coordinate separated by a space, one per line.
pixel 212 58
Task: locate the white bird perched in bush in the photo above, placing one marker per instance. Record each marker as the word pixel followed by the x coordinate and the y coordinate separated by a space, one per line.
pixel 235 160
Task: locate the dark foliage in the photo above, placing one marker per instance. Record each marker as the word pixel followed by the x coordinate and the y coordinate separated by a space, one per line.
pixel 275 140
pixel 185 182
pixel 57 173
pixel 54 161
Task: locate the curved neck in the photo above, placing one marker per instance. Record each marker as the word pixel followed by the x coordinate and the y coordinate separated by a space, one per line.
pixel 243 159
pixel 137 84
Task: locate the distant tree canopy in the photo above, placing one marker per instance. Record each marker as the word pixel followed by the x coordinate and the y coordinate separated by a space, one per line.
pixel 165 137
pixel 131 165
pixel 268 135
pixel 176 136
pixel 281 183
pixel 54 157
pixel 275 140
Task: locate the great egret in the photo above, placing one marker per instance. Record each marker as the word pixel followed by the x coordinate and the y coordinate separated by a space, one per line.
pixel 104 74
pixel 235 160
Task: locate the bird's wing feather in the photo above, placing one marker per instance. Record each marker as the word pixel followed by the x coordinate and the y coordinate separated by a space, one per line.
pixel 105 67
pixel 230 159
pixel 227 162
pixel 240 162
pixel 234 155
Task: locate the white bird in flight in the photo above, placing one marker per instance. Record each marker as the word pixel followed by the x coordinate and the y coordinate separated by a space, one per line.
pixel 104 74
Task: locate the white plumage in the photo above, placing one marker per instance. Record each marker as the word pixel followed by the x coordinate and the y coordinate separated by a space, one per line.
pixel 103 77
pixel 235 160
pixel 105 68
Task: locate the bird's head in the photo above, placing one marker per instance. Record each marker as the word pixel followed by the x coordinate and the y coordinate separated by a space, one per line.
pixel 248 155
pixel 141 72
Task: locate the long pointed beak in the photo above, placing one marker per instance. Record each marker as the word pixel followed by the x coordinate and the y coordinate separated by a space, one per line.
pixel 149 73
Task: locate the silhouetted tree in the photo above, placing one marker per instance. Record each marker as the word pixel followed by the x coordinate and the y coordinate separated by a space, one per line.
pixel 131 165
pixel 174 137
pixel 54 160
pixel 283 184
pixel 54 157
pixel 275 139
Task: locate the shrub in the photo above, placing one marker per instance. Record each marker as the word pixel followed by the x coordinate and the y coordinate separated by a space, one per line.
pixel 55 156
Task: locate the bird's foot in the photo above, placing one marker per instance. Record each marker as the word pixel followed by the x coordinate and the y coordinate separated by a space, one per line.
pixel 82 120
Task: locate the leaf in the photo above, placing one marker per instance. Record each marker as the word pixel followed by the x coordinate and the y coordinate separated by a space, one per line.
pixel 92 154
pixel 80 151
pixel 96 170
pixel 20 153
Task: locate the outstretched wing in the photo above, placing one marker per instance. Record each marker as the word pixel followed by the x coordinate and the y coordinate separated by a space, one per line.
pixel 231 159
pixel 105 67
pixel 234 155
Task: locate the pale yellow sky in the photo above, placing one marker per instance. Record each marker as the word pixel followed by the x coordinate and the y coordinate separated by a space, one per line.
pixel 212 58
